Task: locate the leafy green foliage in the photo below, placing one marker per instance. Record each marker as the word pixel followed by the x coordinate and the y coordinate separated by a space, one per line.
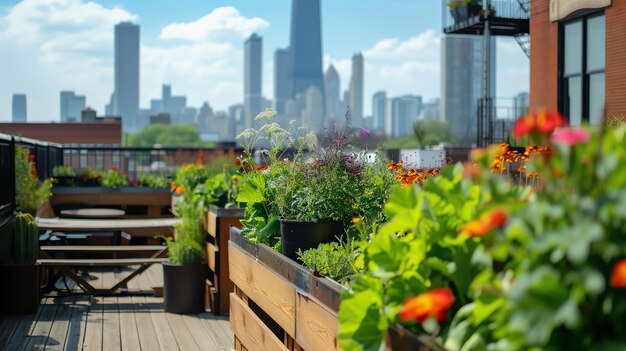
pixel 188 248
pixel 29 192
pixel 333 260
pixel 166 136
pixel 114 179
pixel 19 241
pixel 154 181
pixel 63 171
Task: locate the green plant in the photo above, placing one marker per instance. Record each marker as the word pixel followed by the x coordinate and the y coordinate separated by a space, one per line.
pixel 333 260
pixel 114 179
pixel 19 241
pixel 63 171
pixel 154 181
pixel 189 176
pixel 615 121
pixel 29 192
pixel 188 247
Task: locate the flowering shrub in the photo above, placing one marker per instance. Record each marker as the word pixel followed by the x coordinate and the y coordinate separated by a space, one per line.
pixel 29 192
pixel 521 267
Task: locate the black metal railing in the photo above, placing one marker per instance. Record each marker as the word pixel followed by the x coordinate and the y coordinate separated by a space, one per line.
pixel 495 121
pixel 508 15
pixel 47 155
pixel 7 178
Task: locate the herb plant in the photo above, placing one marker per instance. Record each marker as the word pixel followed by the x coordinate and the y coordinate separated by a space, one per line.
pixel 30 193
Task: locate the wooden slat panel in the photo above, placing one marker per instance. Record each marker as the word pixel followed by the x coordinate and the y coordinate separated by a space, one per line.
pixel 249 329
pixel 211 252
pixel 78 322
pixel 184 339
pixel 275 295
pixel 39 334
pixel 128 326
pixel 145 328
pixel 93 333
pixel 165 337
pixel 111 337
pixel 211 227
pixel 316 326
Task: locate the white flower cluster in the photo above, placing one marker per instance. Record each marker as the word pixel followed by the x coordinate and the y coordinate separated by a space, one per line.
pixel 266 115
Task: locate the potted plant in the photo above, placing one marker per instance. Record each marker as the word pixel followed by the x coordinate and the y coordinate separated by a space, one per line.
pixel 30 193
pixel 19 249
pixel 461 10
pixel 64 176
pixel 113 179
pixel 185 274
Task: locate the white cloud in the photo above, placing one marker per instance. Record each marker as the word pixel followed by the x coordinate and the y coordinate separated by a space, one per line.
pixel 397 66
pixel 223 22
pixel 68 45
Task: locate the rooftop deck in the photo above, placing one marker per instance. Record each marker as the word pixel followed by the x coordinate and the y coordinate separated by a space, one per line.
pixel 83 322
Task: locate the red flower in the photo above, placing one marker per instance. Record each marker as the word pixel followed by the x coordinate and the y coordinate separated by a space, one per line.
pixel 237 162
pixel 570 136
pixel 434 303
pixel 540 122
pixel 485 224
pixel 618 275
pixel 260 168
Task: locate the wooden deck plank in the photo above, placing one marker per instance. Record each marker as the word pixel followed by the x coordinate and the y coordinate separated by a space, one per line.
pixel 59 329
pixel 165 336
pixel 219 328
pixel 78 324
pixel 22 331
pixel 111 338
pixel 39 334
pixel 8 324
pixel 128 325
pixel 93 331
pixel 181 332
pixel 147 335
pixel 204 340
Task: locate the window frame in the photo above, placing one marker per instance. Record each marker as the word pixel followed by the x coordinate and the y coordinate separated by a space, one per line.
pixel 585 74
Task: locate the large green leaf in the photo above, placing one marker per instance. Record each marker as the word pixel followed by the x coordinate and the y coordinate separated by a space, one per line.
pixel 363 326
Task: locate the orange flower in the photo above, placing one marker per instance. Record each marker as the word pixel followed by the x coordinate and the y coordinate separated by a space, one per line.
pixel 471 170
pixel 260 168
pixel 485 224
pixel 434 303
pixel 396 167
pixel 540 122
pixel 235 179
pixel 173 186
pixel 356 220
pixel 180 190
pixel 618 275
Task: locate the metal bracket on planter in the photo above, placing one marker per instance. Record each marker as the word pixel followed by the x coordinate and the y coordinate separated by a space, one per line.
pixel 241 241
pixel 285 267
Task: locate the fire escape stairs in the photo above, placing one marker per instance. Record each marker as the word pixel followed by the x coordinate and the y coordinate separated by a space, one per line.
pixel 523 40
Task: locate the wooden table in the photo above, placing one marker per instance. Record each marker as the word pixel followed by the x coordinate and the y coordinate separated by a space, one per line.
pixel 136 227
pixel 93 213
pixel 65 265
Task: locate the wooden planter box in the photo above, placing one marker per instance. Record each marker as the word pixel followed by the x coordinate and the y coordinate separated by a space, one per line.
pixel 218 222
pixel 278 304
pixel 139 202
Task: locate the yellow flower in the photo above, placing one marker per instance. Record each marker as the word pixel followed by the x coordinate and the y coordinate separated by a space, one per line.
pixel 356 220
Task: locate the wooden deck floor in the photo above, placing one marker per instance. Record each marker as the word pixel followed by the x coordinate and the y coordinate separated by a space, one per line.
pixel 83 322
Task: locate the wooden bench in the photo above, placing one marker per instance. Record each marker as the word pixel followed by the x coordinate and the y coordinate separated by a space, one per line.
pixel 65 265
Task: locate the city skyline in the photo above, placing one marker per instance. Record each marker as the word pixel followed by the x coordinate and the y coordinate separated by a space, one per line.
pixel 400 61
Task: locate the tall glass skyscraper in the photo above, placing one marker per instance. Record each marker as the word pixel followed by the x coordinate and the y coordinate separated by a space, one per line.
pixel 306 47
pixel 333 90
pixel 72 106
pixel 252 78
pixel 126 93
pixel 19 108
pixel 379 106
pixel 281 80
pixel 356 91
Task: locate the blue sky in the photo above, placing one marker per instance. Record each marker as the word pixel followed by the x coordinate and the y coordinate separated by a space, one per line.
pixel 197 47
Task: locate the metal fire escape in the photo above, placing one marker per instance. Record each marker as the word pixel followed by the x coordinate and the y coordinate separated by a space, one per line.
pixel 488 18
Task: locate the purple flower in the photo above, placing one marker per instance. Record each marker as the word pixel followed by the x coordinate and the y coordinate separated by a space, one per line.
pixel 365 132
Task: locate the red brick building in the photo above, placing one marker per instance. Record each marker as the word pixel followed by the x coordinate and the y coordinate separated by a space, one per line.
pixel 578 58
pixel 108 134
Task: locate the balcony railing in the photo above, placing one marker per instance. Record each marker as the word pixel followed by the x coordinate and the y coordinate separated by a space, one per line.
pixel 506 17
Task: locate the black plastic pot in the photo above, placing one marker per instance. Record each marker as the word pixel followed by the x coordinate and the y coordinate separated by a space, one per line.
pixel 296 235
pixel 399 339
pixel 183 287
pixel 20 289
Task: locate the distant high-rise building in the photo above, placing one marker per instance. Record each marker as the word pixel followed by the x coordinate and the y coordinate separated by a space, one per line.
pixel 126 95
pixel 281 79
pixel 235 114
pixel 520 104
pixel 306 47
pixel 332 85
pixel 379 106
pixel 108 108
pixel 401 113
pixel 462 83
pixel 313 115
pixel 205 115
pixel 166 95
pixel 430 110
pixel 345 102
pixel 252 78
pixel 72 106
pixel 19 108
pixel 356 91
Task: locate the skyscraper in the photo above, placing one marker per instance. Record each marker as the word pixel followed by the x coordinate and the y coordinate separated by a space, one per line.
pixel 313 115
pixel 401 113
pixel 281 80
pixel 252 78
pixel 126 95
pixel 356 91
pixel 72 106
pixel 332 84
pixel 462 83
pixel 379 105
pixel 19 108
pixel 306 47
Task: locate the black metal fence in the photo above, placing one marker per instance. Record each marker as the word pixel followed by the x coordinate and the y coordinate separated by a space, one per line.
pixel 457 13
pixel 7 178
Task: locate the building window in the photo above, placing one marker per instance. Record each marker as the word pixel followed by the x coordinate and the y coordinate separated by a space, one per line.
pixel 582 63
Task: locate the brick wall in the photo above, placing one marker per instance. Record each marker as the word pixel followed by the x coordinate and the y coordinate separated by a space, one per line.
pixel 544 57
pixel 616 58
pixel 67 133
